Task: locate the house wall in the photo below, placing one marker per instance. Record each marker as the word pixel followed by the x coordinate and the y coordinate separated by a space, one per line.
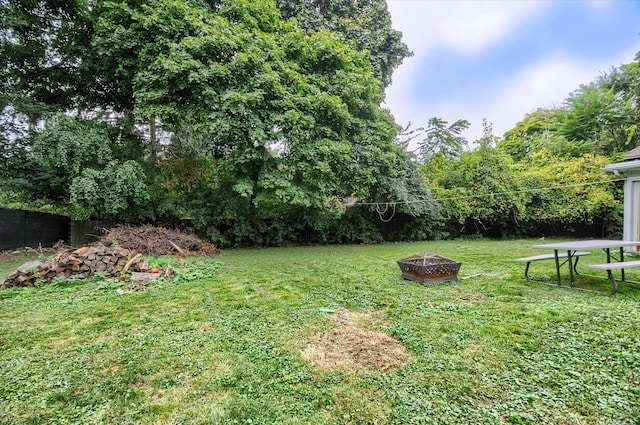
pixel 631 230
pixel 630 171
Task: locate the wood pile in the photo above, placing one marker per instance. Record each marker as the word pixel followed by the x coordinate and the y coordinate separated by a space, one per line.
pixel 85 261
pixel 156 241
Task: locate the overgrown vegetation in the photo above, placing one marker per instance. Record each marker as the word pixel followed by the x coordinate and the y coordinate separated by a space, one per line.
pixel 254 120
pixel 259 122
pixel 227 346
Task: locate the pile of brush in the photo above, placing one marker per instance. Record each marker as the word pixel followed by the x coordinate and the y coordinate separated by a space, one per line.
pixel 156 241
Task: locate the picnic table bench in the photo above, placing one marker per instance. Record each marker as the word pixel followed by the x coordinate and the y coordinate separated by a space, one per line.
pixel 544 257
pixel 568 250
pixel 609 267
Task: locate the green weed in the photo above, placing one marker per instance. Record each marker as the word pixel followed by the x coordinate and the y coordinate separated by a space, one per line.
pixel 223 342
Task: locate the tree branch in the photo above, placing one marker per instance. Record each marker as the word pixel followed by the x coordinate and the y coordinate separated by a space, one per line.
pixel 26 77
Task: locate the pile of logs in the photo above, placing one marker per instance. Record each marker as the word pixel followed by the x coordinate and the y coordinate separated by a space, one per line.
pixel 85 261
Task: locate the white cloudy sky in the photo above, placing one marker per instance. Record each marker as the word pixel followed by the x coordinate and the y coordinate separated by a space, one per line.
pixel 503 59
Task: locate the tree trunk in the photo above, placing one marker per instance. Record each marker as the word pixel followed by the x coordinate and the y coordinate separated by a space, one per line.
pixel 153 140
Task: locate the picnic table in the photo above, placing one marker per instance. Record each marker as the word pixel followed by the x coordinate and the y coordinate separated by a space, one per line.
pixel 573 249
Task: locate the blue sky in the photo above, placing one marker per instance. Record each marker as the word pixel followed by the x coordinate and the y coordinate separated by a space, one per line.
pixel 500 60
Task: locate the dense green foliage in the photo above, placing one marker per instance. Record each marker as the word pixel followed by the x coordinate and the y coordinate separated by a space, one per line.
pixel 384 44
pixel 545 177
pixel 257 121
pixel 224 344
pixel 42 46
pixel 279 118
pixel 480 192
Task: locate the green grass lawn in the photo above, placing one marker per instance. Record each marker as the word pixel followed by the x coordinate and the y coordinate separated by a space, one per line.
pixel 224 345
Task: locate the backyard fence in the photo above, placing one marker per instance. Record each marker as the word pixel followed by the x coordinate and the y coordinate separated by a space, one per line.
pixel 19 229
pixel 88 231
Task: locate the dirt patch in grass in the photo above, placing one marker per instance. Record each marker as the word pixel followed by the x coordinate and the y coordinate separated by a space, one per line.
pixel 353 348
pixel 346 317
pixel 367 319
pixel 471 298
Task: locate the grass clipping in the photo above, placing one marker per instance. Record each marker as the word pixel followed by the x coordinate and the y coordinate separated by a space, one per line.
pixel 353 348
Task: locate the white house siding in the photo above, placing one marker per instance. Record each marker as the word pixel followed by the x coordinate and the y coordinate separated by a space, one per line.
pixel 630 171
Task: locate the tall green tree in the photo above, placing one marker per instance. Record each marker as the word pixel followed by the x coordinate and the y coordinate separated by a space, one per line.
pixel 565 189
pixel 280 121
pixel 443 141
pixel 289 117
pixel 42 46
pixel 366 24
pixel 480 192
pixel 79 166
pixel 604 118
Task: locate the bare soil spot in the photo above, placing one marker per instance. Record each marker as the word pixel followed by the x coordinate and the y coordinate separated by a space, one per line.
pixel 367 319
pixel 471 298
pixel 346 317
pixel 355 349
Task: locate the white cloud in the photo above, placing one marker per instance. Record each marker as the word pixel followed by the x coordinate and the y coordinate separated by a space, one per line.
pixel 601 5
pixel 545 84
pixel 469 27
pixel 463 26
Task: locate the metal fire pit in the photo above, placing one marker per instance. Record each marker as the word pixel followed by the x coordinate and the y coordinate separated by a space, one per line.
pixel 429 267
